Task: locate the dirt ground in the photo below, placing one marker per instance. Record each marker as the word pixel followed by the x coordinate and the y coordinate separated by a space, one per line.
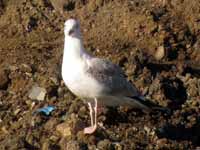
pixel 156 42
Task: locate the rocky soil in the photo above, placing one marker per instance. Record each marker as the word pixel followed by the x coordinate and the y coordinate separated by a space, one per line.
pixel 156 42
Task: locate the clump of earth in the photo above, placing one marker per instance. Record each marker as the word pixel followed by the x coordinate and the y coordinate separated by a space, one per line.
pixel 157 44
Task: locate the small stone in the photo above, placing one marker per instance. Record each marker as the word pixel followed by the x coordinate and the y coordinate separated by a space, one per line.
pixel 73 145
pixel 1 95
pixel 91 140
pixel 82 112
pixel 30 103
pixel 58 5
pixel 69 145
pixel 71 126
pixel 162 141
pixel 160 53
pixel 53 98
pixel 135 129
pixel 104 144
pixel 45 145
pixel 54 138
pixel 17 111
pixel 92 147
pixel 62 83
pixel 147 129
pixel 117 146
pixel 37 93
pixel 28 74
pixel 188 45
pixel 54 80
pixel 26 68
pixel 64 129
pixel 50 124
pixel 60 91
pixel 13 68
pixel 4 130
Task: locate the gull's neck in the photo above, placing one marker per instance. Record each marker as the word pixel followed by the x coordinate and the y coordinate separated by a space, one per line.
pixel 73 48
pixel 75 58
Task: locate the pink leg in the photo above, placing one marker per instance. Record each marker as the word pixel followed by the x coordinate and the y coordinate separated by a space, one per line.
pixel 92 128
pixel 95 112
pixel 91 114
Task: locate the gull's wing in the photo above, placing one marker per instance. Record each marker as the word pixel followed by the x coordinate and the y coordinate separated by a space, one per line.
pixel 115 84
pixel 111 77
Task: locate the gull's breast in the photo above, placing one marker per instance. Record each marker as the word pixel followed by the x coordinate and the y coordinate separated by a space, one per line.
pixel 80 83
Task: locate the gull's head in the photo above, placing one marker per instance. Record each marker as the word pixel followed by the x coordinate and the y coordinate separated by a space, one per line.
pixel 72 28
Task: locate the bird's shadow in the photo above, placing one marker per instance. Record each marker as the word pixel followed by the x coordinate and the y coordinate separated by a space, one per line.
pixel 114 116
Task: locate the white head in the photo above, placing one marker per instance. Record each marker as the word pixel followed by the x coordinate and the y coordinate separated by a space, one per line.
pixel 72 28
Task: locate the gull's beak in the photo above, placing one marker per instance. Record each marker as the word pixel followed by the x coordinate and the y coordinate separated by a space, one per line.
pixel 71 32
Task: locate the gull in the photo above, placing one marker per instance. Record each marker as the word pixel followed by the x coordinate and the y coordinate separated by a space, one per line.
pixel 97 81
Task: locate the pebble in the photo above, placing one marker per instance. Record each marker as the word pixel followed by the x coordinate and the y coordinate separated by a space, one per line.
pixel 104 144
pixel 54 138
pixel 69 145
pixel 193 90
pixel 82 111
pixel 54 80
pixel 160 53
pixel 30 103
pixel 147 129
pixel 37 93
pixel 4 130
pixel 12 68
pixel 117 146
pixel 62 83
pixel 161 142
pixel 29 74
pixel 70 127
pixel 26 68
pixel 60 91
pixel 73 145
pixel 64 129
pixel 45 145
pixel 58 5
pixel 17 111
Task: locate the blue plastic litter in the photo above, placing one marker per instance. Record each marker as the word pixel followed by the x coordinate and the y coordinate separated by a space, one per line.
pixel 45 110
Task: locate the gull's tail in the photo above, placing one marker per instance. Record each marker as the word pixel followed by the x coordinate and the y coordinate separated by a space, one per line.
pixel 147 105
